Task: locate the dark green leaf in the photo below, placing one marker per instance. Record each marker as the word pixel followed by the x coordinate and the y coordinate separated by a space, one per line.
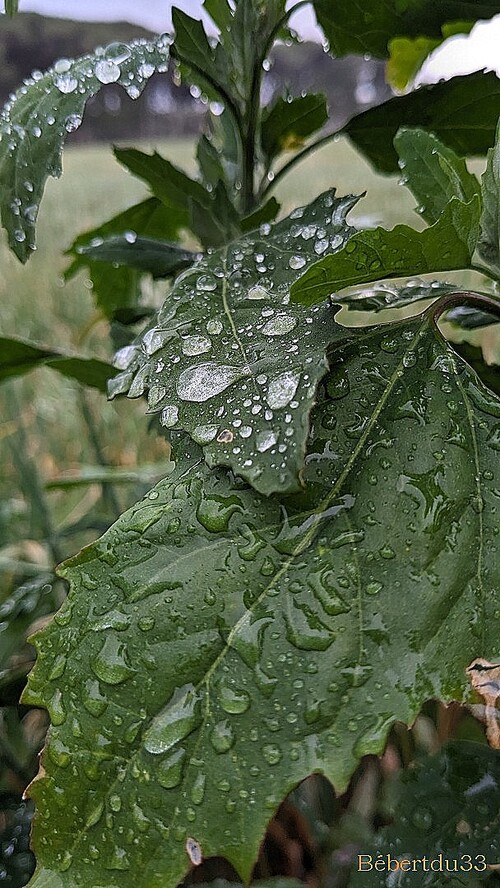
pixel 360 28
pixel 376 253
pixel 289 634
pixel 265 214
pixel 489 242
pixel 463 112
pixel 386 295
pixel 220 12
pixel 230 361
pixel 210 162
pixel 35 124
pixel 146 474
pixel 18 357
pixel 117 289
pixel 446 811
pixel 169 184
pixel 433 172
pixel 194 50
pixel 159 258
pixel 287 124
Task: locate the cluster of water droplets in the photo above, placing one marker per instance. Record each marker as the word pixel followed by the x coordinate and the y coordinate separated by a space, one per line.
pixel 230 359
pixel 37 118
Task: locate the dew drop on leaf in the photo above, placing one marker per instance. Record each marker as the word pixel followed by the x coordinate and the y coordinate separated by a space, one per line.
pixel 176 721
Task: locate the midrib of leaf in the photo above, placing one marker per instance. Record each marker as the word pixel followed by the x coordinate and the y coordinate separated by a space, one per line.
pixel 470 419
pixel 228 313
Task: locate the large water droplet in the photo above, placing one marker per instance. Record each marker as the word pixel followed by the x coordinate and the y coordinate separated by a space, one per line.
pixel 176 721
pixel 204 381
pixel 110 664
pixel 279 325
pixel 107 71
pixel 233 700
pixel 282 389
pixel 222 737
pixel 170 769
pixel 195 345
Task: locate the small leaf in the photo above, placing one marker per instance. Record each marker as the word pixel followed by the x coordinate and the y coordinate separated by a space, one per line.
pixel 210 161
pixel 220 13
pixel 352 28
pixel 159 258
pixel 227 321
pixel 169 184
pixel 18 357
pixel 406 56
pixel 433 172
pixel 35 123
pixel 194 50
pixel 489 242
pixel 446 810
pixel 287 124
pixel 375 254
pixel 11 7
pixel 289 633
pixel 217 222
pixel 116 290
pixel 463 112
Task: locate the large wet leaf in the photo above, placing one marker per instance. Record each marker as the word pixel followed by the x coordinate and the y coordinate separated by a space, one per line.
pixel 218 646
pixel 446 810
pixel 358 28
pixel 231 361
pixel 463 112
pixel 377 254
pixel 35 123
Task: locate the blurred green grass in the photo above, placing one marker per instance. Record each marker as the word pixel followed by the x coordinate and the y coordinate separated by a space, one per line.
pixel 36 304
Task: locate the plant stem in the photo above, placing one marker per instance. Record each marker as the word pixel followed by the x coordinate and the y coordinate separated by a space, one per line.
pixel 297 158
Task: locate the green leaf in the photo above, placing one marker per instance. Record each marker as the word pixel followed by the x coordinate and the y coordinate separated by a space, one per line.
pixel 210 161
pixel 287 124
pixel 218 222
pixel 489 241
pixel 463 112
pixel 446 808
pixel 357 28
pixel 488 373
pixel 17 357
pixel 11 7
pixel 406 56
pixel 145 474
pixel 376 253
pixel 194 50
pixel 220 13
pixel 35 124
pixel 169 184
pixel 158 257
pixel 289 634
pixel 433 172
pixel 230 361
pixel 116 289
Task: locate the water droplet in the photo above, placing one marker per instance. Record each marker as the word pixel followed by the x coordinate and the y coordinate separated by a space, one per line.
pixel 195 345
pixel 279 325
pixel 214 512
pixel 233 700
pixel 66 83
pixel 107 71
pixel 222 737
pixel 115 803
pixel 204 381
pixel 169 416
pixel 214 327
pixel 93 700
pixel 296 262
pixel 170 769
pixel 72 122
pixel 282 389
pixel 204 434
pixel 198 790
pixel 387 552
pixel 272 753
pixel 110 664
pixel 265 440
pixel 176 721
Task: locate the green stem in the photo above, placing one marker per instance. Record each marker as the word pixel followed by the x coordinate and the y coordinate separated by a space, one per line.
pixel 249 138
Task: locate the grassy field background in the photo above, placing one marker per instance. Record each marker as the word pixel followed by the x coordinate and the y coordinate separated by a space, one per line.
pixel 36 304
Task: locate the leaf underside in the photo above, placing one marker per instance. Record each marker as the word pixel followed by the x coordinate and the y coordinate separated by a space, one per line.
pixel 230 361
pixel 36 122
pixel 289 634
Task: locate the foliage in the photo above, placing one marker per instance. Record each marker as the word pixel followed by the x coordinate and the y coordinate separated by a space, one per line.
pixel 322 560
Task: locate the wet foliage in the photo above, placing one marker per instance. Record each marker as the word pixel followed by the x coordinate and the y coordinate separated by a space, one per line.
pixel 322 560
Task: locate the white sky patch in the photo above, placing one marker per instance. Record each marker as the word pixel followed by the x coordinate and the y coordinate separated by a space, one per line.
pixel 464 54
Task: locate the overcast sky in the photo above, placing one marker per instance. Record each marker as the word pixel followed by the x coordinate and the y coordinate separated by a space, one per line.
pixel 153 14
pixel 460 55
